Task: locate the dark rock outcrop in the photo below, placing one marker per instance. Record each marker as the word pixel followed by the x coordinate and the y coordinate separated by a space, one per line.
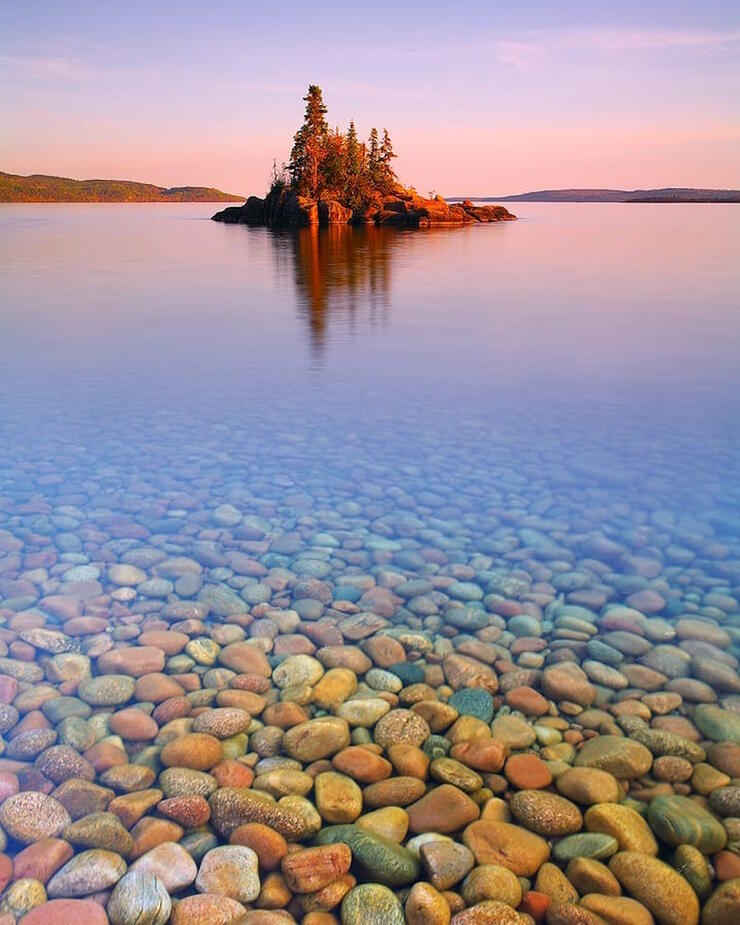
pixel 404 208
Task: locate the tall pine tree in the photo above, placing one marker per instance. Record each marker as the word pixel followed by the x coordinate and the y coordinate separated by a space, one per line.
pixel 387 175
pixel 373 156
pixel 354 168
pixel 309 146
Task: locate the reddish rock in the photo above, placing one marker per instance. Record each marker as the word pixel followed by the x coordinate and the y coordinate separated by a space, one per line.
pixel 527 772
pixel 8 688
pixel 168 641
pixel 172 708
pixel 8 785
pixel 206 909
pixel 486 755
pixel 362 764
pixel 196 750
pixel 444 809
pixel 726 865
pixel 232 773
pixel 150 832
pixel 189 811
pixel 259 684
pixel 248 701
pixel 6 871
pixel 284 714
pixel 529 701
pixel 133 724
pixel 384 651
pixel 245 658
pixel 311 869
pixel 41 860
pixel 269 845
pixel 85 626
pixel 535 904
pixel 157 687
pixel 133 661
pixel 105 755
pixel 66 912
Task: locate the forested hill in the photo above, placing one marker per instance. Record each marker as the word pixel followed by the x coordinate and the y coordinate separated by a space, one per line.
pixel 40 188
pixel 666 194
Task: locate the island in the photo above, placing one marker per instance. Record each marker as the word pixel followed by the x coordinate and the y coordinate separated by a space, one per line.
pixel 42 188
pixel 332 178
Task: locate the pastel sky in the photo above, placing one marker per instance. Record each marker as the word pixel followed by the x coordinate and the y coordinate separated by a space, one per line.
pixel 480 97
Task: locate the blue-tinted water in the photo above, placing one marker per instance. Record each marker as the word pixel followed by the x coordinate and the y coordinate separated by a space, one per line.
pixel 581 358
pixel 511 448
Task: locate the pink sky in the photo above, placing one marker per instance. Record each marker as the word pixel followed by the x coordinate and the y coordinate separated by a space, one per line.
pixel 478 101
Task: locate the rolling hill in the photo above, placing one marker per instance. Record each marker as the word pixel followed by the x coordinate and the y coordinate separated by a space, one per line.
pixel 41 188
pixel 666 194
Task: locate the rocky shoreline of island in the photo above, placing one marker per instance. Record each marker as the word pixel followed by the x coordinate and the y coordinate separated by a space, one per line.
pixel 332 178
pixel 405 208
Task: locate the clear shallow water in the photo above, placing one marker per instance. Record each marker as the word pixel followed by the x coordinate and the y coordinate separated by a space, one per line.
pixel 353 434
pixel 584 355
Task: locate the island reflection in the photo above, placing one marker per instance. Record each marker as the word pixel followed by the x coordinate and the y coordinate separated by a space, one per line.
pixel 342 274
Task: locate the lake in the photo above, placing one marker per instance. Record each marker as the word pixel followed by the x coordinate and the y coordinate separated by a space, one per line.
pixel 513 445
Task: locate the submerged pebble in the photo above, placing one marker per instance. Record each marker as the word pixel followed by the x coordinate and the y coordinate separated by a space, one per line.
pixel 230 693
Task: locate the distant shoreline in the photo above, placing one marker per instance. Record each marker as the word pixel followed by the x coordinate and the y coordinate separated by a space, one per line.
pixel 41 188
pixel 664 194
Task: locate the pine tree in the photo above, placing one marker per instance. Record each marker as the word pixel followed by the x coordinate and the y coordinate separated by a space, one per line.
pixel 387 175
pixel 332 169
pixel 309 145
pixel 355 169
pixel 373 157
pixel 353 155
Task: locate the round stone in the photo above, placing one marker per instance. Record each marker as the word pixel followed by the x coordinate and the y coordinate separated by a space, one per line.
pixel 401 726
pixel 723 906
pixel 585 845
pixel 88 872
pixel 107 690
pixel 473 702
pixel 546 813
pixel 660 888
pixel 509 845
pixel 621 822
pixel 139 898
pixel 196 751
pixel 230 870
pixel 589 786
pixel 372 904
pixel 620 756
pixel 30 816
pixel 677 820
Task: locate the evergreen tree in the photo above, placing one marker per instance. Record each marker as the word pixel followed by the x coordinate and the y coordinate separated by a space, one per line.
pixel 330 162
pixel 373 157
pixel 309 145
pixel 354 168
pixel 387 175
pixel 333 169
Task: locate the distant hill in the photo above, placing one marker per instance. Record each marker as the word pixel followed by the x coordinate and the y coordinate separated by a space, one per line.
pixel 667 194
pixel 40 188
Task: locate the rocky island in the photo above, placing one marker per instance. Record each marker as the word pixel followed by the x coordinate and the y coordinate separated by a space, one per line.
pixel 334 179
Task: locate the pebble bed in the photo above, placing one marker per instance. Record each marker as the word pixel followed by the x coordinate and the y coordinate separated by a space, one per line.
pixel 415 634
pixel 247 703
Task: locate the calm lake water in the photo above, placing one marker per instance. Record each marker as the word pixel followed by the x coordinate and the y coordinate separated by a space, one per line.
pixel 500 460
pixel 583 357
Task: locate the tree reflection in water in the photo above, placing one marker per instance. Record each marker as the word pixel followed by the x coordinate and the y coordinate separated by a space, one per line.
pixel 342 275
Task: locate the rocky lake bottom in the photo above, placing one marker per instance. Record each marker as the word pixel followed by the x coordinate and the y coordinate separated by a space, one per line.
pixel 369 577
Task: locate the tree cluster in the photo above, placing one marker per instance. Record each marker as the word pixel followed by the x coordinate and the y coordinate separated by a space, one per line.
pixel 335 164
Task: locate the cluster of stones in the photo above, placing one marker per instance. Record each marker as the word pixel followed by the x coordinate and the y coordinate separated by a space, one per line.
pixel 325 725
pixel 403 207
